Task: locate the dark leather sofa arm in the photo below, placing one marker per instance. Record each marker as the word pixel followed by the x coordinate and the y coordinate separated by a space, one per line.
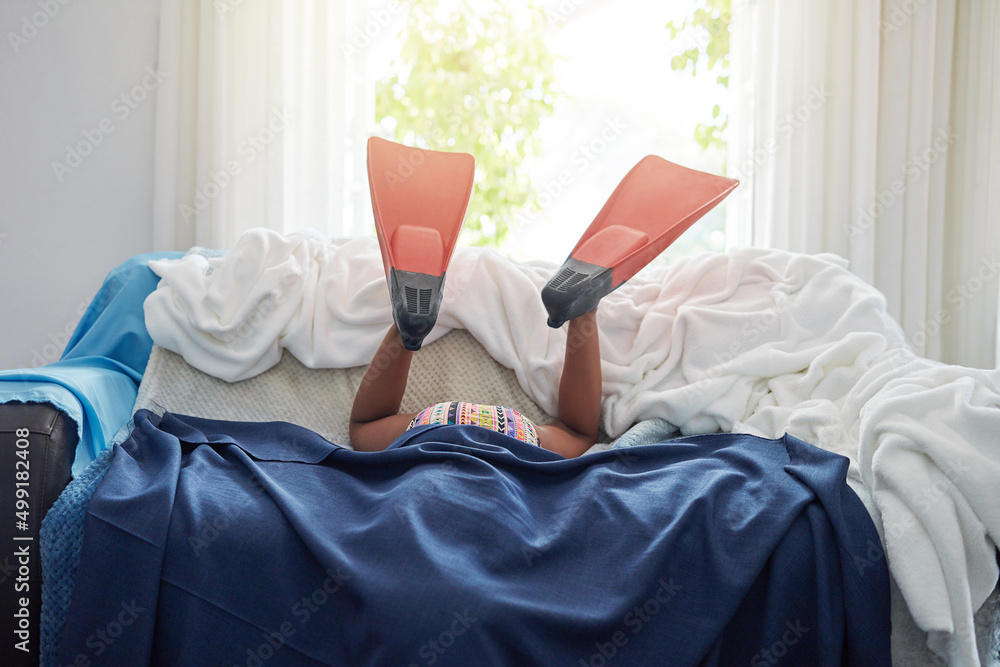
pixel 37 446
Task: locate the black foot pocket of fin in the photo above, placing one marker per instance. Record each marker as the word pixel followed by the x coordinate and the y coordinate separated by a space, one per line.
pixel 416 299
pixel 575 289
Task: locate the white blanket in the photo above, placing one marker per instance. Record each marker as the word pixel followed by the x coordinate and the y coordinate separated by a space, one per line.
pixel 756 340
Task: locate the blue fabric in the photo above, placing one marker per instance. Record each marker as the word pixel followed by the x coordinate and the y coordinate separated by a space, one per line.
pixel 96 380
pixel 646 432
pixel 114 324
pixel 61 539
pixel 232 543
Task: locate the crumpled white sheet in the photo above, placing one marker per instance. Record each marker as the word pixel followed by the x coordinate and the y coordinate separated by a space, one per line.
pixel 760 341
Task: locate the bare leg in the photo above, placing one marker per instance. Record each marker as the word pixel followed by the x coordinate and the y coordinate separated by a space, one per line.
pixel 579 391
pixel 375 418
pixel 375 421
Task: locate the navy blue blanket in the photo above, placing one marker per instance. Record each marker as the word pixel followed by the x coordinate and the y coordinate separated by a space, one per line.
pixel 230 543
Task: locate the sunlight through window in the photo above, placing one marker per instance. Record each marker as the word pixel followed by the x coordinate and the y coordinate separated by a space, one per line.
pixel 557 100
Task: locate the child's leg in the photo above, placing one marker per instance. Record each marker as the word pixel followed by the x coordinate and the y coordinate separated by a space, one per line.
pixel 375 418
pixel 579 391
pixel 580 385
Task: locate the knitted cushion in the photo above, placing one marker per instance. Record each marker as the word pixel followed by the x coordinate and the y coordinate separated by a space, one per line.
pixel 455 367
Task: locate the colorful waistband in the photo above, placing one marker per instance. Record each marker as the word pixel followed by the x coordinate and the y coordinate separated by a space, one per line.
pixel 494 417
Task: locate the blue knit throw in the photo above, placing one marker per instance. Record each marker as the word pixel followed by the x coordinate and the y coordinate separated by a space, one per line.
pixel 61 539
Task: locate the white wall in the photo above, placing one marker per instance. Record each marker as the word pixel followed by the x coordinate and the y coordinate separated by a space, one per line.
pixel 58 84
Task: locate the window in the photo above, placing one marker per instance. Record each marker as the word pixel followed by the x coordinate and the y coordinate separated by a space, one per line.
pixel 557 100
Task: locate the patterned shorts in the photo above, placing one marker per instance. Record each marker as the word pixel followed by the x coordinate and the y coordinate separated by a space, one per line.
pixel 494 417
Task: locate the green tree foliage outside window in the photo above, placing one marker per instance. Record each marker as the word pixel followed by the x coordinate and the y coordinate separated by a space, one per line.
pixel 474 76
pixel 706 30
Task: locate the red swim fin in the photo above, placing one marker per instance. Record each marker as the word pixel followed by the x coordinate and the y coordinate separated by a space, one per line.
pixel 653 205
pixel 419 198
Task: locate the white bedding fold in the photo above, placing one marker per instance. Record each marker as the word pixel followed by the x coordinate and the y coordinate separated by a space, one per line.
pixel 754 340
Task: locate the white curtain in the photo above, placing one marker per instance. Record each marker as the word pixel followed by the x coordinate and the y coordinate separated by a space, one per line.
pixel 872 130
pixel 260 121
